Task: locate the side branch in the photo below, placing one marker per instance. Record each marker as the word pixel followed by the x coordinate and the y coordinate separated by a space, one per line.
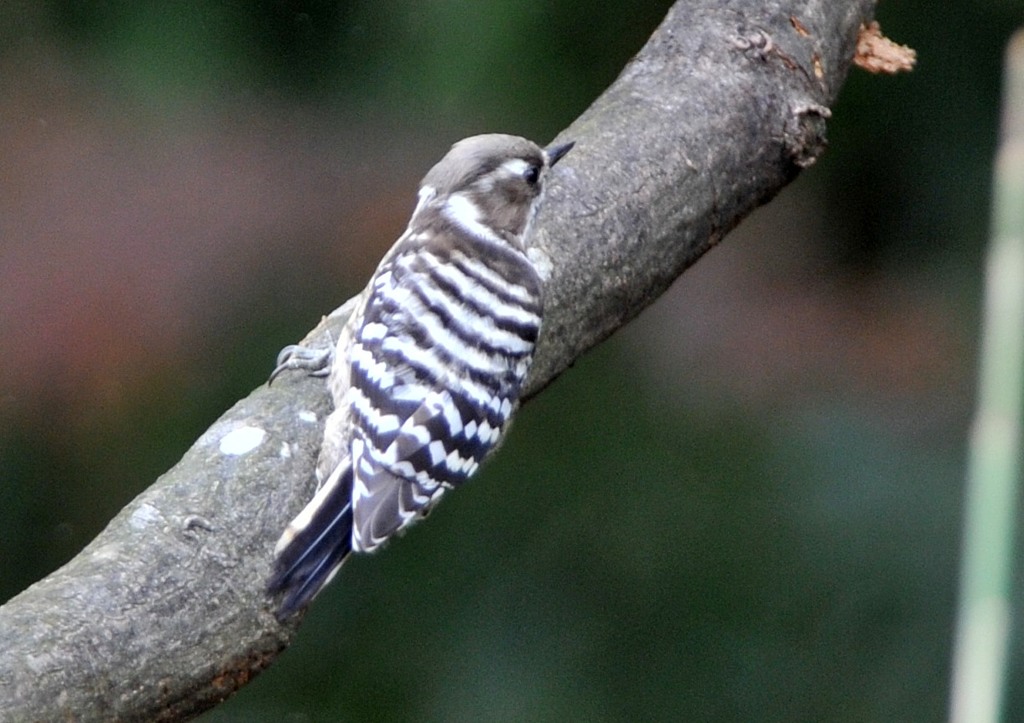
pixel 164 614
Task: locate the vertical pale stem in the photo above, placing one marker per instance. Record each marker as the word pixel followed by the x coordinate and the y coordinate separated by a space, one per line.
pixel 983 622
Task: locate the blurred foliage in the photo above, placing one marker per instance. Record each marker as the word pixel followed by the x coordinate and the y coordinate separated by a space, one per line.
pixel 641 549
pixel 926 138
pixel 437 59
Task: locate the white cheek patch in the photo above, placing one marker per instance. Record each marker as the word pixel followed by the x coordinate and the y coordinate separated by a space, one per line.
pixel 466 215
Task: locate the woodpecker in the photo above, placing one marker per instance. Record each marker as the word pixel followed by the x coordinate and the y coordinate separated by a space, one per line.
pixel 428 371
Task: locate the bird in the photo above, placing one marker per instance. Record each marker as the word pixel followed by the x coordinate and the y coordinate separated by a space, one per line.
pixel 428 371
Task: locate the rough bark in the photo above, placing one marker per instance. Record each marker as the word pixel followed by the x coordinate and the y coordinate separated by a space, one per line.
pixel 164 614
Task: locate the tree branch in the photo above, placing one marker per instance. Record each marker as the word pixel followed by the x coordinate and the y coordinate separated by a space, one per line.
pixel 164 614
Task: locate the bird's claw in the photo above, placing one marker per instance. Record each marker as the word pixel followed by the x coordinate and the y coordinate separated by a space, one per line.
pixel 315 362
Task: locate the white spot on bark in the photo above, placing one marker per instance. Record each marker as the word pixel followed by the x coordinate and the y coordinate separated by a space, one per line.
pixel 144 516
pixel 307 416
pixel 242 440
pixel 541 262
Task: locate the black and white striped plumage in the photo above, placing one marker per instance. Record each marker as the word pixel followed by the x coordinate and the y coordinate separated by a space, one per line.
pixel 430 368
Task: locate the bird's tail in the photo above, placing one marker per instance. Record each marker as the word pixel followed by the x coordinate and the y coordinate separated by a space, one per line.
pixel 314 545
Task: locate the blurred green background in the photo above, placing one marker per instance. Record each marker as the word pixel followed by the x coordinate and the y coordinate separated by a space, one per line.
pixel 745 506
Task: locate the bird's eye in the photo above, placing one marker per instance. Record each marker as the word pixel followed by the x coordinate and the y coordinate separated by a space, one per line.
pixel 532 174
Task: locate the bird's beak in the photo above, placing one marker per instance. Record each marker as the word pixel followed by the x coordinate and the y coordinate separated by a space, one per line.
pixel 554 153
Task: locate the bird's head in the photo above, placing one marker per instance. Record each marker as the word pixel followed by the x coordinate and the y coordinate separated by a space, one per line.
pixel 500 176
